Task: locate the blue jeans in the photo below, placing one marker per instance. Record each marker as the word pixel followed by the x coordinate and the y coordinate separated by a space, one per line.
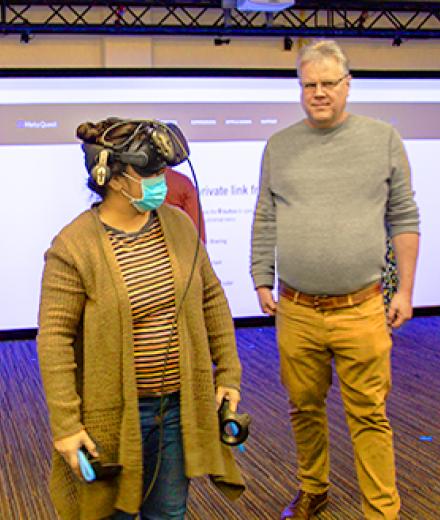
pixel 167 499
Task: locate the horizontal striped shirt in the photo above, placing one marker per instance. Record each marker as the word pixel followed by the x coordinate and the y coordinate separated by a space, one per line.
pixel 146 269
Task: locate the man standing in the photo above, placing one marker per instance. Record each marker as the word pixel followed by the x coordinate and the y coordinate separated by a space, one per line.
pixel 330 185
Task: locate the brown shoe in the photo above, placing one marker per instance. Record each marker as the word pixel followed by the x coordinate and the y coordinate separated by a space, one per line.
pixel 304 506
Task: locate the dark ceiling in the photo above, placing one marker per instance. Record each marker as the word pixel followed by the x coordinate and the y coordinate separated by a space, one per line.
pixel 307 18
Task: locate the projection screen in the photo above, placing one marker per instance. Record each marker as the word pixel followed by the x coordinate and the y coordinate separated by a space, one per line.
pixel 227 121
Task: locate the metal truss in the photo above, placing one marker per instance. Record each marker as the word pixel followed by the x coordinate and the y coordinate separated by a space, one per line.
pixel 395 20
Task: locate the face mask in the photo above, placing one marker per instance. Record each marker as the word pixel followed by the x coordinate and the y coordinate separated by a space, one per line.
pixel 154 191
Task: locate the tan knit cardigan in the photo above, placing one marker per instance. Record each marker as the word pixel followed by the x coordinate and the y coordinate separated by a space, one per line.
pixel 86 358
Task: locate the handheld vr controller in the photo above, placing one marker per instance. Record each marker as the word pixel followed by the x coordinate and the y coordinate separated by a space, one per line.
pixel 93 469
pixel 234 427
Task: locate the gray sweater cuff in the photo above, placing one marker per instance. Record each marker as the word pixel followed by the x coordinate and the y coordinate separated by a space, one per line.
pixel 263 280
pixel 399 230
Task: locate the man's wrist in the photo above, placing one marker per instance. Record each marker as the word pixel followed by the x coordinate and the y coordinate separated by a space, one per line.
pixel 407 292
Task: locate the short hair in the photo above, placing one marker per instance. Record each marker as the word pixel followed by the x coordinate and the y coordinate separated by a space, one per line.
pixel 321 50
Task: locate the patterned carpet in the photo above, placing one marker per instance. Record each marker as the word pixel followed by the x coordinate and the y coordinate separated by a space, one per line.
pixel 268 461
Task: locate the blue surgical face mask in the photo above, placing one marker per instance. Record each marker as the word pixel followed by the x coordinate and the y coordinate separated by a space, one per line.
pixel 154 191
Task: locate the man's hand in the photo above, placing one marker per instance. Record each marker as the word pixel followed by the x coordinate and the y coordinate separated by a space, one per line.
pixel 400 310
pixel 406 246
pixel 267 303
pixel 68 448
pixel 230 394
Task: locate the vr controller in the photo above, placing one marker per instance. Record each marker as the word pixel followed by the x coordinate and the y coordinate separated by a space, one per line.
pixel 234 427
pixel 93 469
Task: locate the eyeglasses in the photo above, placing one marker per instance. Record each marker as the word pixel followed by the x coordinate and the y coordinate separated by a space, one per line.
pixel 325 85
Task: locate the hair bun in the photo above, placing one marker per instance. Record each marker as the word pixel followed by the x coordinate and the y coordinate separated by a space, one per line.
pixel 88 132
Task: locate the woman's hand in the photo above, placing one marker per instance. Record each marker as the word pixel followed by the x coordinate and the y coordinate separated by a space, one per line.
pixel 68 448
pixel 230 394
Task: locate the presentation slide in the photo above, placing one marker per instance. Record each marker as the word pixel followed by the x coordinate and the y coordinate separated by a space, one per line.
pixel 227 121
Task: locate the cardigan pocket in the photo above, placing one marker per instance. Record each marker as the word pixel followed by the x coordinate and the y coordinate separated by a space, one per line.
pixel 104 426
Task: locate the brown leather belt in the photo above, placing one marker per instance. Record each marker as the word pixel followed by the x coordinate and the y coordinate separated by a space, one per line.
pixel 324 302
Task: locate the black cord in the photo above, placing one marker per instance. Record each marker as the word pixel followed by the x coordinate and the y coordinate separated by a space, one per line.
pixel 173 326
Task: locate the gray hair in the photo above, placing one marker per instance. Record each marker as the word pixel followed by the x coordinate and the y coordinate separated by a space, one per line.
pixel 321 50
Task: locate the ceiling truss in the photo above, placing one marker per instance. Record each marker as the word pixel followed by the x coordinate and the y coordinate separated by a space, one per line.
pixel 395 20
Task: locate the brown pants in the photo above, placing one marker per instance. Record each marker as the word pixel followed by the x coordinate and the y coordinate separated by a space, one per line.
pixel 358 340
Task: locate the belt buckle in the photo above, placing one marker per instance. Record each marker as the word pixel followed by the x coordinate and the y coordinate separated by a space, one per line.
pixel 317 301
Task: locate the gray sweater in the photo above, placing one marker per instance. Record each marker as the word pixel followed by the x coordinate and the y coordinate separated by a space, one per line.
pixel 326 198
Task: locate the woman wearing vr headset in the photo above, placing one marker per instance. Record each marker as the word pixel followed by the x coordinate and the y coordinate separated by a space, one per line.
pixel 132 319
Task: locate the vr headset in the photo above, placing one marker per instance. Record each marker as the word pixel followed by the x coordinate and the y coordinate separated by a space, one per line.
pixel 148 148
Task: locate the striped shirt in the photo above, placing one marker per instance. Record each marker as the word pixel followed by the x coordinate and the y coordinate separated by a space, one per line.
pixel 146 269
